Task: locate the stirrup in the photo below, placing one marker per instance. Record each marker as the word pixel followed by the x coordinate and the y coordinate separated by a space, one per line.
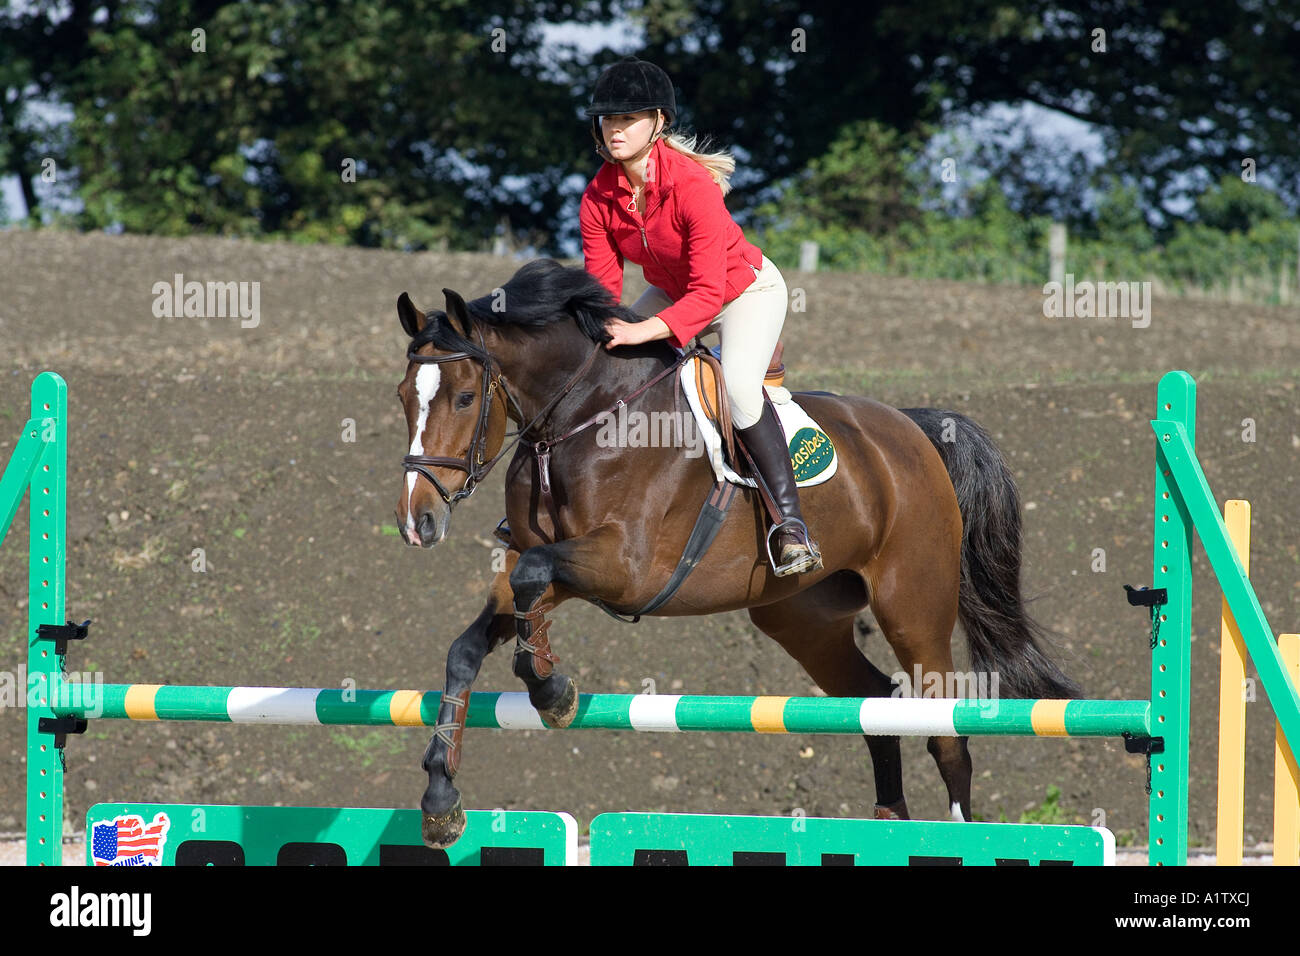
pixel 812 561
pixel 502 532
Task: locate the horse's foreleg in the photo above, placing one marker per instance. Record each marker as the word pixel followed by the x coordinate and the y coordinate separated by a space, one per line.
pixel 535 592
pixel 542 578
pixel 443 815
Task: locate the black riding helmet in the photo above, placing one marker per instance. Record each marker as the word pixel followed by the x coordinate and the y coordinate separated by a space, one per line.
pixel 629 86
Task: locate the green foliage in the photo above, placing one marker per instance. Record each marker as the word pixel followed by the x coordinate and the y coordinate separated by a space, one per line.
pixel 1238 206
pixel 900 237
pixel 1049 811
pixel 457 118
pixel 1167 66
pixel 1119 220
pixel 1247 239
pixel 376 124
pixel 1246 243
pixel 862 183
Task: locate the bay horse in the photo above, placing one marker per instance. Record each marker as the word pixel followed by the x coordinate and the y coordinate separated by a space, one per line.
pixel 921 523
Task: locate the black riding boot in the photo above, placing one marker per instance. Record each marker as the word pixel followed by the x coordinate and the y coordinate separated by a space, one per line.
pixel 793 551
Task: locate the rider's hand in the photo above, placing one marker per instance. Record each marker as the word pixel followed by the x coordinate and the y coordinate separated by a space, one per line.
pixel 636 333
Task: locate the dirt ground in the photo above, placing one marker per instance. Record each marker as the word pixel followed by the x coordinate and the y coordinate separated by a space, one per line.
pixel 197 433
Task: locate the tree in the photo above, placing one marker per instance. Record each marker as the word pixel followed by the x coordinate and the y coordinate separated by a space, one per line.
pixel 1175 86
pixel 457 116
pixel 245 119
pixel 1236 206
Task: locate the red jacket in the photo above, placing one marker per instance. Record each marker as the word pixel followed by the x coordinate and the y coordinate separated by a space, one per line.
pixel 688 244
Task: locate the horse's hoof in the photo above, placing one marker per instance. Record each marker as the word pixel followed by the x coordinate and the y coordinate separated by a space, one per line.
pixel 561 713
pixel 895 811
pixel 443 829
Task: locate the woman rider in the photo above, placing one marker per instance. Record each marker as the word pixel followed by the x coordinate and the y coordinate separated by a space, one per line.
pixel 658 203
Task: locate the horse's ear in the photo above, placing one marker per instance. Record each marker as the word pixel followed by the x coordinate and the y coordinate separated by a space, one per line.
pixel 412 319
pixel 456 309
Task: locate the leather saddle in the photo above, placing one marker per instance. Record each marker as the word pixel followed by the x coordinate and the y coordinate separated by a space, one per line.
pixel 713 393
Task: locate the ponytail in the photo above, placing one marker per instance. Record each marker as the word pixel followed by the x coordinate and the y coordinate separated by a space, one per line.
pixel 720 164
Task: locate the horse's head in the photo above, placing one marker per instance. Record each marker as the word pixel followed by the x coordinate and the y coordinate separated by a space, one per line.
pixel 455 416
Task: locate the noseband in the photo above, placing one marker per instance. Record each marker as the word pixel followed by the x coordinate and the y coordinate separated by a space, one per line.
pixel 474 466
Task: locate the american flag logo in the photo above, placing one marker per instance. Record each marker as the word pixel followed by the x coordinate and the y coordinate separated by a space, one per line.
pixel 129 841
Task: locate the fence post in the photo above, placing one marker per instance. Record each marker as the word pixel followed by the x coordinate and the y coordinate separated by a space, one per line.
pixel 1056 249
pixel 1171 673
pixel 47 500
pixel 808 252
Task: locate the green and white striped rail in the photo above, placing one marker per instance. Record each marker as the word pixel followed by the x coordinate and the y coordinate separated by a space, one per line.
pixel 904 716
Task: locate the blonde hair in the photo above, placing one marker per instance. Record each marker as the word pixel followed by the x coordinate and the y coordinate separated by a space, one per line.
pixel 720 164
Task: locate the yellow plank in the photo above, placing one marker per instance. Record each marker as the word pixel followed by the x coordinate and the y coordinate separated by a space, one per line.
pixel 1232 704
pixel 1286 778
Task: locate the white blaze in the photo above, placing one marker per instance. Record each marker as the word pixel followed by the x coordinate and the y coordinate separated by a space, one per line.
pixel 427 380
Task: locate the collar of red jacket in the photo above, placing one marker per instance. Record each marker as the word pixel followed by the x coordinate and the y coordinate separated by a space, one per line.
pixel 612 179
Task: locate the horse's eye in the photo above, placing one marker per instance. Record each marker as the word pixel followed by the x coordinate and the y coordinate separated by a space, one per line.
pixel 464 400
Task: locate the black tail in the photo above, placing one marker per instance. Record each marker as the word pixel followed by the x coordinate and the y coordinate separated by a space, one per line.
pixel 1003 638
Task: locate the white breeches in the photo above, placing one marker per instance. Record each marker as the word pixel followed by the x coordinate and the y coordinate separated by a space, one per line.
pixel 748 327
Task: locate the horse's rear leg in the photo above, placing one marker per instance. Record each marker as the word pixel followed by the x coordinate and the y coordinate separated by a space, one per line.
pixel 816 628
pixel 917 610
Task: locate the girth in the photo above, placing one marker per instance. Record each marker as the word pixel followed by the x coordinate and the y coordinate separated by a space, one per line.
pixel 712 514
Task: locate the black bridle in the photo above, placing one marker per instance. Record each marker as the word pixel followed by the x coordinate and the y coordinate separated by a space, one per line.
pixel 474 465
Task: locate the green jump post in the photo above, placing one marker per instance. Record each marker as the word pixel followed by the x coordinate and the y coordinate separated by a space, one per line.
pixel 1171 659
pixel 39 463
pixel 1184 501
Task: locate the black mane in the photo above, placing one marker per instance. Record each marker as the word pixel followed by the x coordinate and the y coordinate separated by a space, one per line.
pixel 541 293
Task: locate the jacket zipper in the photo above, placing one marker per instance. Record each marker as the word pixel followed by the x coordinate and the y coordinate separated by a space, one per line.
pixel 646 246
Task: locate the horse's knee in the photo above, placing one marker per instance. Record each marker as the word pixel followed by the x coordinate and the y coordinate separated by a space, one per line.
pixel 532 574
pixel 463 660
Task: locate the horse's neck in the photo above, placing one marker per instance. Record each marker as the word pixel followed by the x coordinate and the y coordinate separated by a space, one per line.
pixel 539 378
pixel 578 470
